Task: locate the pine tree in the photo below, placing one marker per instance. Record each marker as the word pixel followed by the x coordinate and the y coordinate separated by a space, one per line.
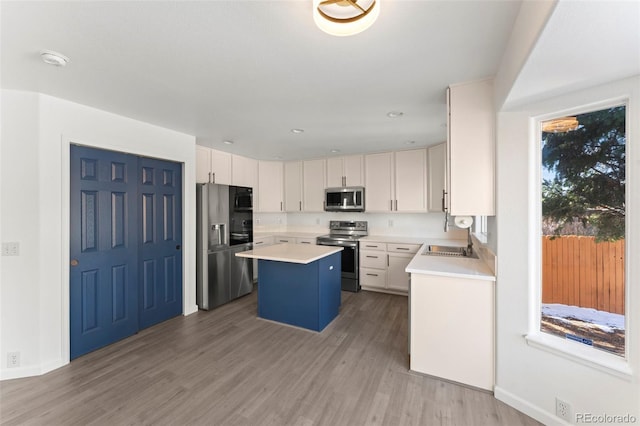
pixel 588 169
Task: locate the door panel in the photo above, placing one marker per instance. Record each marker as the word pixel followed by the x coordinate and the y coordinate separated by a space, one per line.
pixel 103 240
pixel 161 236
pixel 126 246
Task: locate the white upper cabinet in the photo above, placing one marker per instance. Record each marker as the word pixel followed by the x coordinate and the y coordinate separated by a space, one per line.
pixel 313 182
pixel 244 171
pixel 411 181
pixel 471 149
pixel 345 171
pixel 293 186
pixel 396 181
pixel 437 159
pixel 212 166
pixel 270 186
pixel 379 182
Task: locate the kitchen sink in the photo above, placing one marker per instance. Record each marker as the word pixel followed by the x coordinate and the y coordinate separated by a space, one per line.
pixel 449 251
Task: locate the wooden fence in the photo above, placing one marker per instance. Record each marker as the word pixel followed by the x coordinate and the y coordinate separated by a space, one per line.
pixel 578 271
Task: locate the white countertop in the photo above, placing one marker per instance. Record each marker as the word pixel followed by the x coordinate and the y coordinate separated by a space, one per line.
pixel 291 234
pixel 292 253
pixel 412 240
pixel 449 266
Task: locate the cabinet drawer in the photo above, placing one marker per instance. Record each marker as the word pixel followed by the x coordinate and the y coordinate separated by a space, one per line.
pixel 373 278
pixel 262 241
pixel 305 240
pixel 373 259
pixel 366 245
pixel 403 248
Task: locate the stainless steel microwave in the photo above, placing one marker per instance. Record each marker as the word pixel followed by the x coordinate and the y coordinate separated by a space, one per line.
pixel 346 199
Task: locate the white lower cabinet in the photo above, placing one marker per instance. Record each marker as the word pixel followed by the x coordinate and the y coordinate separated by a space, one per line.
pixel 293 240
pixel 382 266
pixel 260 242
pixel 452 328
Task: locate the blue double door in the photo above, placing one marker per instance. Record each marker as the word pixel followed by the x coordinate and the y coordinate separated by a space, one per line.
pixel 125 248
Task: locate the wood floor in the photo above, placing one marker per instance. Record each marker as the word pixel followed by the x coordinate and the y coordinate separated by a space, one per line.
pixel 226 367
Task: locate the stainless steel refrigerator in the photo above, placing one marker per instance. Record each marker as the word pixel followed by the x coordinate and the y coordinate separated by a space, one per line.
pixel 224 222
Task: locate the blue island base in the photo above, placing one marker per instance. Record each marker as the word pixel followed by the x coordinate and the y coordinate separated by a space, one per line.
pixel 303 295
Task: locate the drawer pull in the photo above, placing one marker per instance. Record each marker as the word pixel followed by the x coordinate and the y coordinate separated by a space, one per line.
pixel 305 242
pixel 373 257
pixel 371 246
pixel 258 242
pixel 372 275
pixel 401 248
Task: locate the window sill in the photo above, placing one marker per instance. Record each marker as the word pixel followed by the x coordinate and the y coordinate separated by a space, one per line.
pixel 584 355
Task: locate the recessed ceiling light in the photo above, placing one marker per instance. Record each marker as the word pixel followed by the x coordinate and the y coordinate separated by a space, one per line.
pixel 409 142
pixel 297 131
pixel 53 58
pixel 395 114
pixel 335 150
pixel 227 142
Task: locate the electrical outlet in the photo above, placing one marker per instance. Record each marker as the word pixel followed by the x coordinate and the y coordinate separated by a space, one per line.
pixel 13 359
pixel 10 249
pixel 563 410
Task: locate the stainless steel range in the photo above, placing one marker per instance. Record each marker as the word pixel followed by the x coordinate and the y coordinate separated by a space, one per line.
pixel 346 234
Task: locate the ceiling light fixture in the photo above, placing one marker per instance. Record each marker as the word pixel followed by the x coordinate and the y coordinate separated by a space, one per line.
pixel 395 114
pixel 560 125
pixel 410 142
pixel 53 58
pixel 345 17
pixel 335 151
pixel 297 131
pixel 227 142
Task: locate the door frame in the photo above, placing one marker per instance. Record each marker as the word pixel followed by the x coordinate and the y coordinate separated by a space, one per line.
pixel 188 235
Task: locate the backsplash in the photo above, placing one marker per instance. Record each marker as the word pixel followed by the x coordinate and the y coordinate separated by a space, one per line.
pixel 428 225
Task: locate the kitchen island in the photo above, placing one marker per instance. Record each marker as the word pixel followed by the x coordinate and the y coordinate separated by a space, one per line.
pixel 299 284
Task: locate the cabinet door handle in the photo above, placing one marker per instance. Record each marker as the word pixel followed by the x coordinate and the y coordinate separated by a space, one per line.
pixel 372 275
pixel 396 205
pixel 300 205
pixel 214 177
pixel 444 204
pixel 391 205
pixel 388 261
pixel 371 246
pixel 305 242
pixel 280 205
pixel 258 242
pixel 373 257
pixel 210 177
pixel 401 248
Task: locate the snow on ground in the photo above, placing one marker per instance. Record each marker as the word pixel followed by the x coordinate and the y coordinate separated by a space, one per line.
pixel 606 321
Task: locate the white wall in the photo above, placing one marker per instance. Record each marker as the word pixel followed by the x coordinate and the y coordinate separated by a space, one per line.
pixel 427 225
pixel 530 378
pixel 36 133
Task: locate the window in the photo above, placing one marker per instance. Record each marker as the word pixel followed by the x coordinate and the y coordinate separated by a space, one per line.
pixel 583 228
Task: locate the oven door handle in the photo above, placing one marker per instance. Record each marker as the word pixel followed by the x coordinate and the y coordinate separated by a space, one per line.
pixel 337 244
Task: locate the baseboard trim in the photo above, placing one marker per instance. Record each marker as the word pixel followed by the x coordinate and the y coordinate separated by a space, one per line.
pixel 527 408
pixel 30 371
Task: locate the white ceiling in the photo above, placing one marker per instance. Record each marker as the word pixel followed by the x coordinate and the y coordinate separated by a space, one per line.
pixel 584 43
pixel 249 71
